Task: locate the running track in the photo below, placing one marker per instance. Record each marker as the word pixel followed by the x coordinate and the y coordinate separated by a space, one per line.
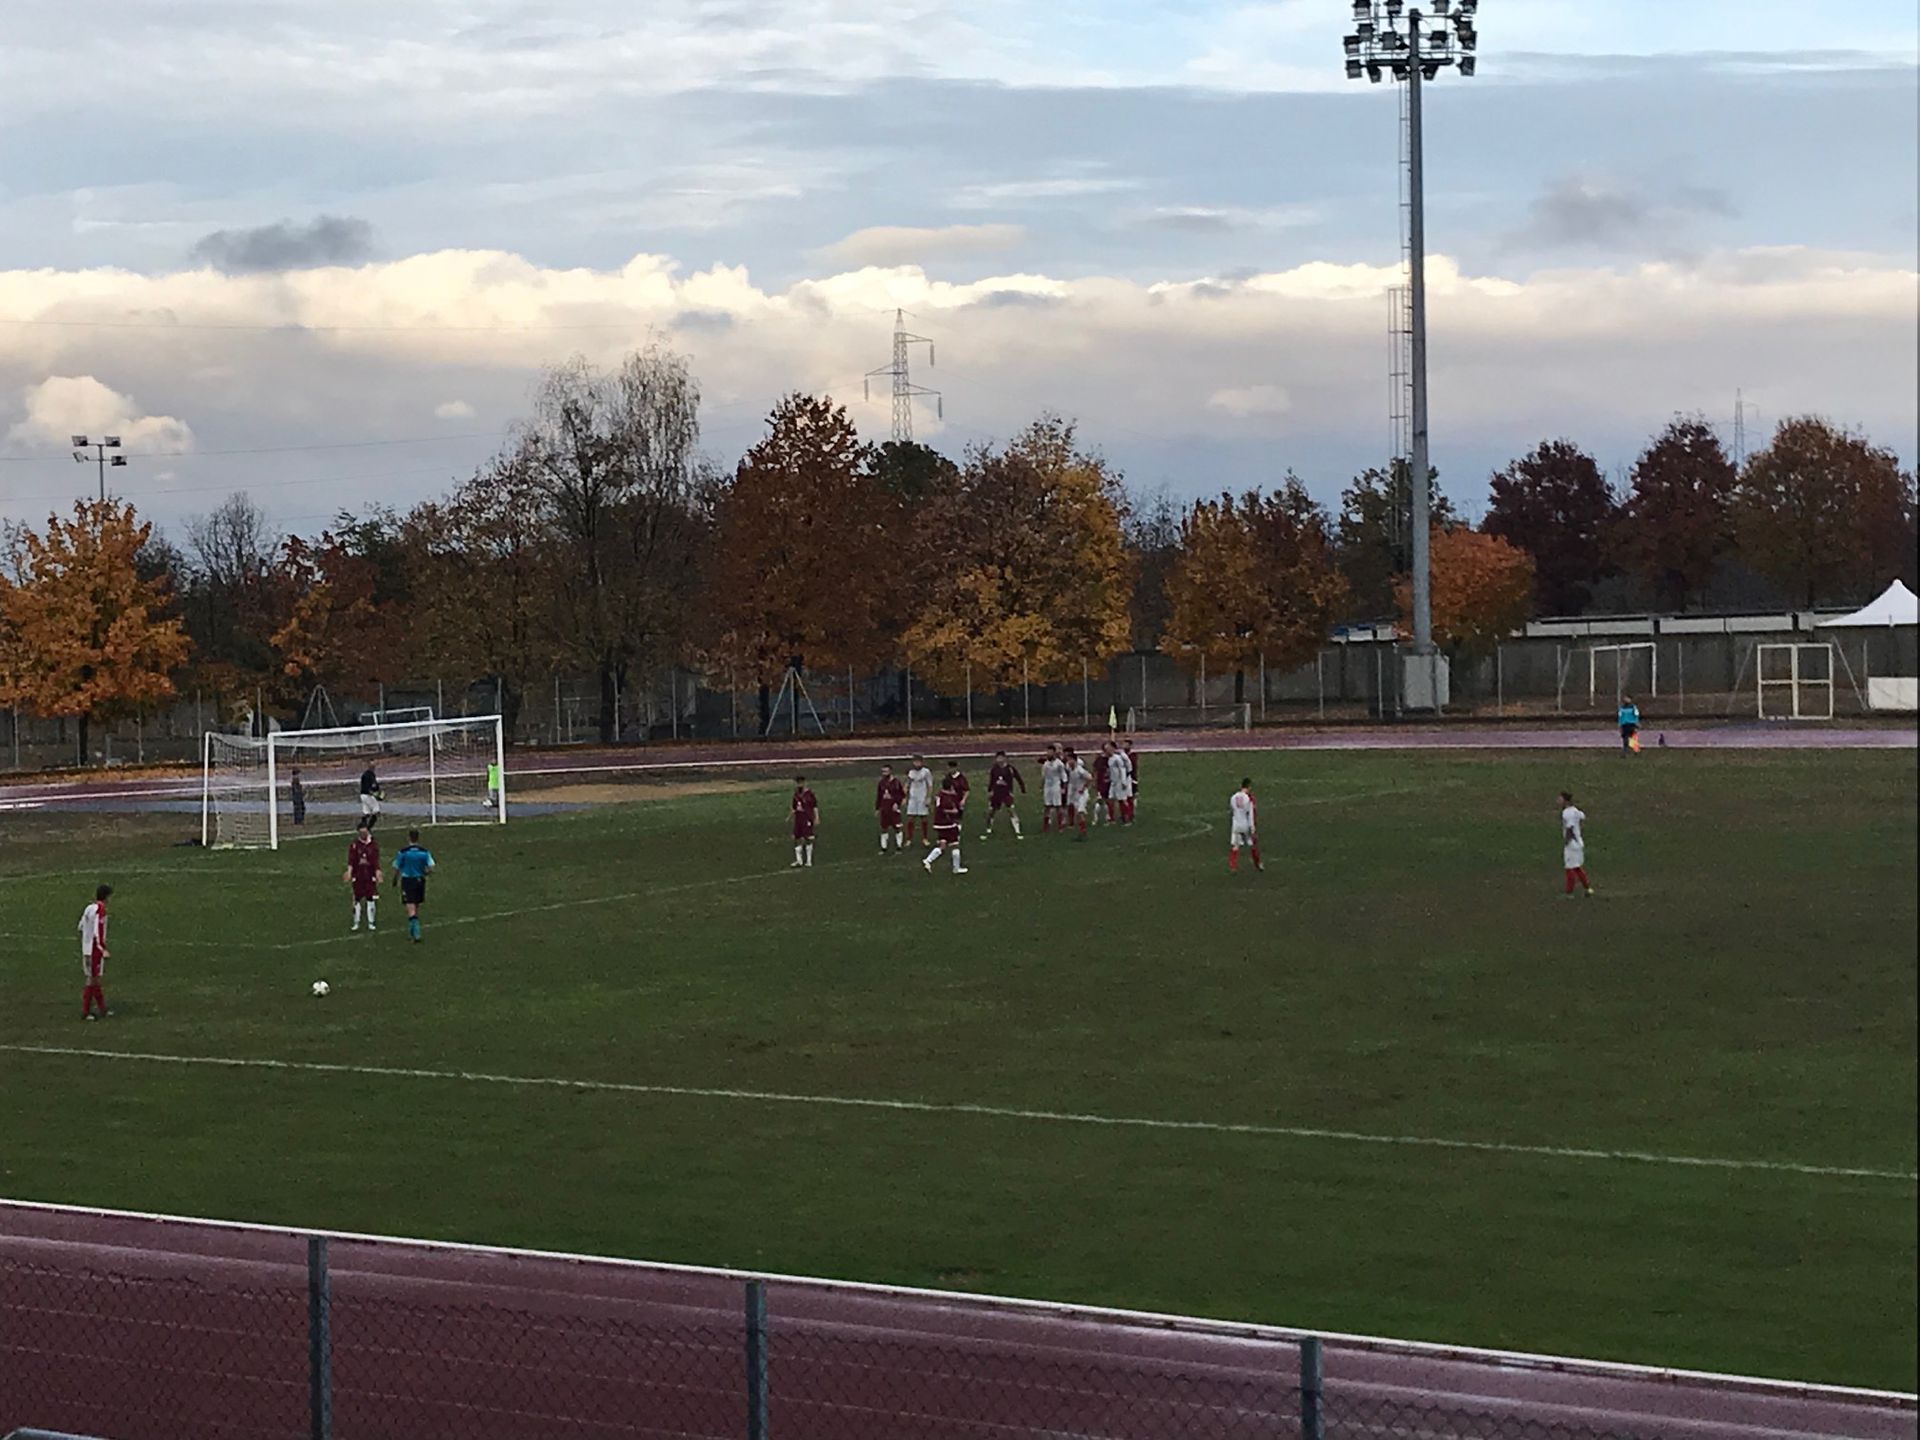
pixel 142 1328
pixel 166 792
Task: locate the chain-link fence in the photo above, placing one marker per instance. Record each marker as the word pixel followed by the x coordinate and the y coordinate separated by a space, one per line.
pixel 148 1348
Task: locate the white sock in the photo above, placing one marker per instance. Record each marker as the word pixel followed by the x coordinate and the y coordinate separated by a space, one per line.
pixel 797 856
pixel 883 842
pixel 956 857
pixel 369 914
pixel 1014 820
pixel 356 914
pixel 809 852
pixel 933 855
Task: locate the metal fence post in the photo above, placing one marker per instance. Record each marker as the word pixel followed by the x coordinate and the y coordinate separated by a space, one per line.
pixel 756 1360
pixel 319 1340
pixel 1312 1425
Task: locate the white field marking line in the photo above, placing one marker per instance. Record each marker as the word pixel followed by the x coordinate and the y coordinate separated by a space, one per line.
pixel 993 1112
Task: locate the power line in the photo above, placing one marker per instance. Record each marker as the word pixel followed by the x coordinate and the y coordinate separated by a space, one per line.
pixel 905 392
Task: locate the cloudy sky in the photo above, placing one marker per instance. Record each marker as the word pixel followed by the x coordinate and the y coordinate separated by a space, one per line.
pixel 320 251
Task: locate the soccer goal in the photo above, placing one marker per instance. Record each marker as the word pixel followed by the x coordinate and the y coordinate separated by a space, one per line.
pixel 1794 681
pixel 1634 669
pixel 429 772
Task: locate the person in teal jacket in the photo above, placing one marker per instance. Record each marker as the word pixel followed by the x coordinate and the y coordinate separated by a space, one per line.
pixel 1629 724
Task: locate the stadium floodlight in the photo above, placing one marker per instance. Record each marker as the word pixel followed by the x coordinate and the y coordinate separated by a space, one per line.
pixel 99 456
pixel 1387 35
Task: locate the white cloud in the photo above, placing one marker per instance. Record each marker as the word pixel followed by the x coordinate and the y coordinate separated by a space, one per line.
pixel 62 406
pixel 326 357
pixel 911 244
pixel 453 410
pixel 1248 401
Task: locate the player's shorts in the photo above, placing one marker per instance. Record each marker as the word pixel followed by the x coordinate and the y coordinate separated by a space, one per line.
pixel 369 804
pixel 1575 857
pixel 917 810
pixel 1122 791
pixel 1106 789
pixel 1244 835
pixel 803 829
pixel 1001 800
pixel 413 891
pixel 947 834
pixel 1052 798
pixel 366 889
pixel 92 967
pixel 1080 802
pixel 889 819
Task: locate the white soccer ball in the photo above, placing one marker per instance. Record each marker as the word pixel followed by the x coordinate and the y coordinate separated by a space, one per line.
pixel 320 988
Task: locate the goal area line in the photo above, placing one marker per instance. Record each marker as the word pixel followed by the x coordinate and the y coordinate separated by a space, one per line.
pixel 970 1109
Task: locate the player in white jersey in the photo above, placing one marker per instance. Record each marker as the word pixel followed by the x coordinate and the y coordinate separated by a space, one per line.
pixel 1245 831
pixel 1120 784
pixel 1573 844
pixel 1079 791
pixel 920 800
pixel 1053 791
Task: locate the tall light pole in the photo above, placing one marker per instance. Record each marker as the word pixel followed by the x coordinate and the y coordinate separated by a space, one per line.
pixel 1389 39
pixel 100 447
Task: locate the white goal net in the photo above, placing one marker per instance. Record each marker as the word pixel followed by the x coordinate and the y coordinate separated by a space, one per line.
pixel 258 792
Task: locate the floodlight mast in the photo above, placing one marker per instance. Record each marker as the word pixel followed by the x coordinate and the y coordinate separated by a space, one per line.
pixel 100 447
pixel 1387 36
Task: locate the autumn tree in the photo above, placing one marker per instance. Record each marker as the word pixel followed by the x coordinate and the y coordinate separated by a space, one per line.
pixel 481 563
pixel 229 553
pixel 614 459
pixel 333 624
pixel 88 636
pixel 1034 578
pixel 1482 590
pixel 1254 580
pixel 805 563
pixel 1554 504
pixel 1152 530
pixel 1824 514
pixel 1674 528
pixel 1374 538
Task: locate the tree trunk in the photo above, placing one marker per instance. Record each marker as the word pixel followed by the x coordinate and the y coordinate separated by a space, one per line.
pixel 83 724
pixel 1240 686
pixel 609 691
pixel 766 706
pixel 511 699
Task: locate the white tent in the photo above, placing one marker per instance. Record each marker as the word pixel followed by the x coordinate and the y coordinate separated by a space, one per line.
pixel 1898 606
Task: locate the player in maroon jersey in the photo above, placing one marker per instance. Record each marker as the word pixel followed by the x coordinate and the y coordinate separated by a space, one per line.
pixel 1103 784
pixel 1001 780
pixel 888 796
pixel 363 873
pixel 1133 769
pixel 957 781
pixel 947 813
pixel 806 819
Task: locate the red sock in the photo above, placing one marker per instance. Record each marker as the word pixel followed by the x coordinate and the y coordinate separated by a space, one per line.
pixel 1581 875
pixel 1233 859
pixel 1571 874
pixel 1129 808
pixel 1083 825
pixel 1256 857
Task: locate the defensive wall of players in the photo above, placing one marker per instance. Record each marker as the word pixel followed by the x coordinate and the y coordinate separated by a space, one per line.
pixel 1706 667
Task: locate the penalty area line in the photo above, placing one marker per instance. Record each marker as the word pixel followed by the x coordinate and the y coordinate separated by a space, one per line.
pixel 991 1112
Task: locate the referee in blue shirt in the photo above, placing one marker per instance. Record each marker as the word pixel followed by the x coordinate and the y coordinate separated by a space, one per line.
pixel 413 864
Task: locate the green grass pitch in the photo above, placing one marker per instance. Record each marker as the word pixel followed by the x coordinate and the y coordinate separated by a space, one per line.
pixel 1743 988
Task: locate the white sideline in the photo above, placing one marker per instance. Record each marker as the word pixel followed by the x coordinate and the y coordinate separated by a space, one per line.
pixel 995 1112
pixel 1060 1310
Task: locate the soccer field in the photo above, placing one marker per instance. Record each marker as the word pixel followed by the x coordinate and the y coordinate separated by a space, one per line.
pixel 1395 1084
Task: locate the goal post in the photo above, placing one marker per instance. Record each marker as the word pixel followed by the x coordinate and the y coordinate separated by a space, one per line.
pixel 1625 660
pixel 429 772
pixel 1794 681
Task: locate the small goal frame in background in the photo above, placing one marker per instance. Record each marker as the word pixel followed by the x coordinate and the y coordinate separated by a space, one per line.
pixel 1797 690
pixel 1621 654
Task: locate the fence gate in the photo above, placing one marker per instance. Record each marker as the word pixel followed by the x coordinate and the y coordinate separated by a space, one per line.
pixel 1794 681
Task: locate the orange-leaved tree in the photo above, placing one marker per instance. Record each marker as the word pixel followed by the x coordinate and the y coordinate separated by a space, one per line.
pixel 1482 590
pixel 331 626
pixel 805 564
pixel 88 636
pixel 1255 578
pixel 1030 577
